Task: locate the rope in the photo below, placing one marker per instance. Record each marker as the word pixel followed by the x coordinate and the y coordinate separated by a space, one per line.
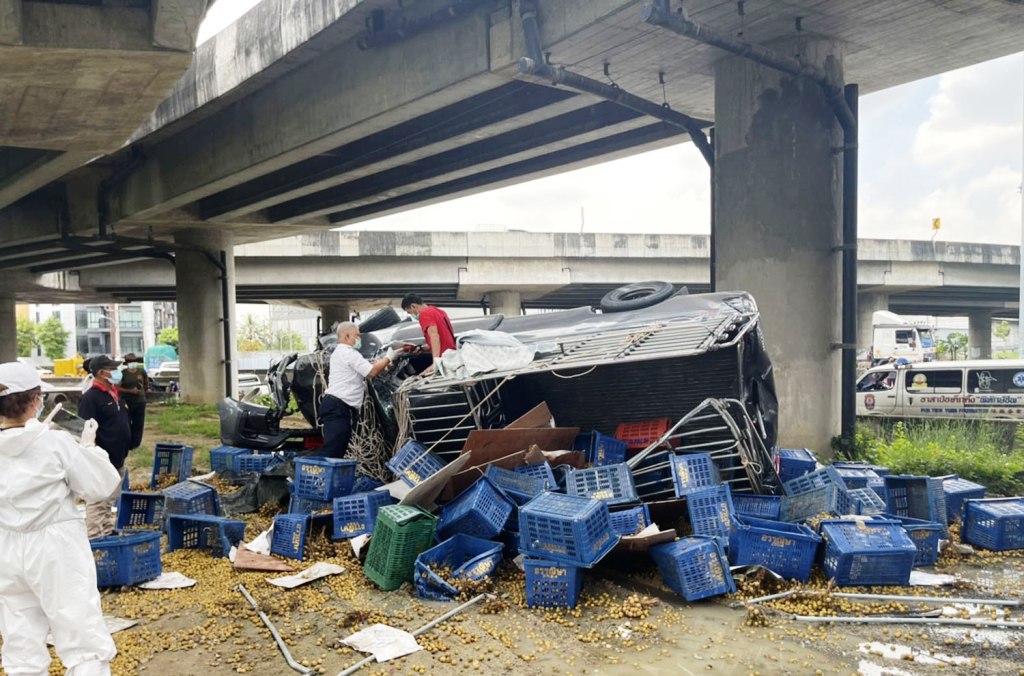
pixel 367 446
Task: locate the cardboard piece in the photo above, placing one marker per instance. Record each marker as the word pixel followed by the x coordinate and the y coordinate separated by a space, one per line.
pixel 487 445
pixel 645 539
pixel 538 416
pixel 247 560
pixel 426 492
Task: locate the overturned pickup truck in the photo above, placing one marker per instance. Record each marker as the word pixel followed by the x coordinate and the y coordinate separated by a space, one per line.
pixel 700 355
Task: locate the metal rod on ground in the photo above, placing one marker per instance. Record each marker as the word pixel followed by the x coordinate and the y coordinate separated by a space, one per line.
pixel 422 630
pixel 273 632
pixel 999 624
pixel 880 597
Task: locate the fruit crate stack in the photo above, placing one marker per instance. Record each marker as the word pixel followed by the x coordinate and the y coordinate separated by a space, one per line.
pixel 566 528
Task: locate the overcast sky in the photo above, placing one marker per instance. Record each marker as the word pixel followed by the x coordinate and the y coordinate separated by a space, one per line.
pixel 948 146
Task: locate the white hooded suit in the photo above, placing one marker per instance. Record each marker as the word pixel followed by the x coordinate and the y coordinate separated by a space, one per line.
pixel 47 571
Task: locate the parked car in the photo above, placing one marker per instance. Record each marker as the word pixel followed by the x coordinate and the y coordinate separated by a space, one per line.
pixel 165 374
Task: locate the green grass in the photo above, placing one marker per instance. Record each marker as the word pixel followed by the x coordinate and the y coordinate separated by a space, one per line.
pixel 988 454
pixel 196 425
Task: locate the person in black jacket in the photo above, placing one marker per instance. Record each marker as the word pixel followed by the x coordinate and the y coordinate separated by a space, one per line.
pixel 102 403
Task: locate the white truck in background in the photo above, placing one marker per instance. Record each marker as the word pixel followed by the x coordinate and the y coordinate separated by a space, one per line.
pixel 895 336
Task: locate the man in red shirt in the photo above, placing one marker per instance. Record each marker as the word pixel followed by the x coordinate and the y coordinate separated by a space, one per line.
pixel 437 327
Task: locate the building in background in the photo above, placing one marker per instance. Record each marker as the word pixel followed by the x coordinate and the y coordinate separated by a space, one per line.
pixel 113 329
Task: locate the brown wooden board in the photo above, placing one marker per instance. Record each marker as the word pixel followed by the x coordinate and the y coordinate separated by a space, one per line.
pixel 488 445
pixel 538 416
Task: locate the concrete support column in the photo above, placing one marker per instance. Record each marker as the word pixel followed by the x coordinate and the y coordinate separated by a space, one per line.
pixel 332 314
pixel 867 305
pixel 8 329
pixel 508 303
pixel 201 346
pixel 778 202
pixel 979 334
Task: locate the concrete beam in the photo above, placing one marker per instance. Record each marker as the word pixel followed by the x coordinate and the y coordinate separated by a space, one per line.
pixel 46 167
pixel 175 23
pixel 979 334
pixel 868 303
pixel 10 22
pixel 508 303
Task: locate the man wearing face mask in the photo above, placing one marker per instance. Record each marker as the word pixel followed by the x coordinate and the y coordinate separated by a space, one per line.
pixel 103 403
pixel 346 388
pixel 132 389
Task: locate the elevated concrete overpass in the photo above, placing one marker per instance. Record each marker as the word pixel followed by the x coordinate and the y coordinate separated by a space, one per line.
pixel 313 113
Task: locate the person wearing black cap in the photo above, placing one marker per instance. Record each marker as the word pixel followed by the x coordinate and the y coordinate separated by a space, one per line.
pixel 102 403
pixel 133 390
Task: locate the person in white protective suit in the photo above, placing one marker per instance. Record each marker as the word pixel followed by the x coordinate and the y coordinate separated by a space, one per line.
pixel 47 572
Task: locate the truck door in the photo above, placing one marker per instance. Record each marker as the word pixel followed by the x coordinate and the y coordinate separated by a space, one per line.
pixel 876 393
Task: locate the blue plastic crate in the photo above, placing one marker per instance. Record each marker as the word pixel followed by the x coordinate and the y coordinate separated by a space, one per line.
pixel 612 484
pixel 924 534
pixel 481 510
pixel 220 457
pixel 995 523
pixel 694 567
pixel 855 464
pixel 600 449
pixel 542 471
pixel 463 557
pixel 958 490
pixel 551 584
pixel 413 464
pixel 139 510
pixel 937 498
pixel 692 472
pixel 760 506
pixel 907 495
pixel 867 500
pixel 794 462
pixel 630 521
pixel 877 552
pixel 855 477
pixel 299 505
pixel 214 534
pixel 324 478
pixel 823 477
pixel 711 511
pixel 560 472
pixel 289 538
pixel 785 548
pixel 171 458
pixel 566 528
pixel 824 499
pixel 355 514
pixel 364 483
pixel 126 558
pixel 254 463
pixel 191 497
pixel 521 488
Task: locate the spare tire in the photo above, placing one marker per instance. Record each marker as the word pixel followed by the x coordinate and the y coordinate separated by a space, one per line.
pixel 381 319
pixel 636 296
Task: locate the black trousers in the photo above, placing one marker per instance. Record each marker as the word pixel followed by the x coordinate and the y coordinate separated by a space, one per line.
pixel 337 419
pixel 137 412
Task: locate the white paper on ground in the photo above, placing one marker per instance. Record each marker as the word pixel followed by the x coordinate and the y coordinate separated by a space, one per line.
pixel 114 625
pixel 358 542
pixel 261 543
pixel 314 572
pixel 232 554
pixel 384 642
pixel 204 477
pixel 919 578
pixel 169 581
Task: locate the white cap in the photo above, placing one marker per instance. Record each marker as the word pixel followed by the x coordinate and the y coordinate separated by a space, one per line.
pixel 16 377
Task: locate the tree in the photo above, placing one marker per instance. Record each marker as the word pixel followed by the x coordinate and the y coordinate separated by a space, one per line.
pixel 26 337
pixel 954 345
pixel 254 332
pixel 250 346
pixel 1002 330
pixel 287 340
pixel 53 338
pixel 169 336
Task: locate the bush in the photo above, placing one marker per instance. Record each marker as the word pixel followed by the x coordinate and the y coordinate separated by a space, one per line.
pixel 980 452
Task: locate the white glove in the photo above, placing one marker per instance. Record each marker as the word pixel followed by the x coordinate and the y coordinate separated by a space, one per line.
pixel 89 433
pixel 393 354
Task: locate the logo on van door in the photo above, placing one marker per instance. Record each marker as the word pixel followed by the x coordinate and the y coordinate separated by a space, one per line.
pixel 869 402
pixel 1018 379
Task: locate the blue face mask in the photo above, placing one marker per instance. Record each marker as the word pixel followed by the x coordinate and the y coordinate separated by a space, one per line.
pixel 115 377
pixel 358 345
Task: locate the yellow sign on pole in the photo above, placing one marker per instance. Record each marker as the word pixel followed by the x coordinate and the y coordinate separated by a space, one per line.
pixel 936 223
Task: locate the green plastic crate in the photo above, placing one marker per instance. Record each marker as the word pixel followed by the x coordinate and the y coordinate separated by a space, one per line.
pixel 399 536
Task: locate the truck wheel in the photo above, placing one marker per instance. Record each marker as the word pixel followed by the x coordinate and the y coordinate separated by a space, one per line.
pixel 636 296
pixel 381 319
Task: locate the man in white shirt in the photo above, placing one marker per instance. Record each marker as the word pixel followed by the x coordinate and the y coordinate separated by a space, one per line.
pixel 346 387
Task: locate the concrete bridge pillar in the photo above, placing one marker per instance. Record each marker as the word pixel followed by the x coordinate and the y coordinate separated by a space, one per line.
pixel 205 359
pixel 332 314
pixel 8 329
pixel 979 334
pixel 778 203
pixel 508 303
pixel 867 304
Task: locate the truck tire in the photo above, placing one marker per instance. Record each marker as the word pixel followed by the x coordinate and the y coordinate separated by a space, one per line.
pixel 381 319
pixel 636 296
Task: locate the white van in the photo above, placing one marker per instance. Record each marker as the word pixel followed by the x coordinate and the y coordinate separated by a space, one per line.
pixel 991 389
pixel 894 336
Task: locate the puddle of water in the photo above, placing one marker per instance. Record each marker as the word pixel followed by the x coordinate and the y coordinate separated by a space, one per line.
pixel 866 668
pixel 893 651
